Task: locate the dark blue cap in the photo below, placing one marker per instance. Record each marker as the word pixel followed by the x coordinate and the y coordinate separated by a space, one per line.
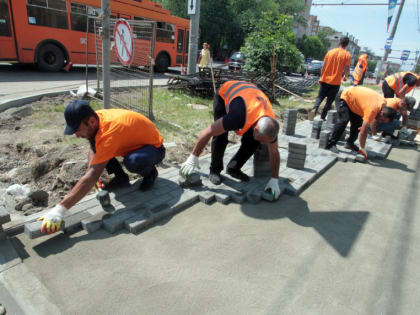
pixel 75 112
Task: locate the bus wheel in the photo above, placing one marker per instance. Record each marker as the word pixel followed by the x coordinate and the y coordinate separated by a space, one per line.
pixel 50 58
pixel 162 63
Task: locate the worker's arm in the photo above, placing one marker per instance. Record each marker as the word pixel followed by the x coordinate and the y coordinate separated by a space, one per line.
pixel 372 127
pixel 215 129
pixel 273 183
pixel 83 186
pixel 404 113
pixel 346 73
pixel 363 134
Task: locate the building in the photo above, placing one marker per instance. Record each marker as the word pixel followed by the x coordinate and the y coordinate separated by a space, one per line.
pixel 313 26
pixel 301 30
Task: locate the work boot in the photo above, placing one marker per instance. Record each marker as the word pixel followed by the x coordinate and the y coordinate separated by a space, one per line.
pixel 311 114
pixel 333 148
pixel 118 181
pixel 238 174
pixel 351 146
pixel 149 180
pixel 215 178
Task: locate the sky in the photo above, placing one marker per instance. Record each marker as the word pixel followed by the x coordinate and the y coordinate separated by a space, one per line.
pixel 368 25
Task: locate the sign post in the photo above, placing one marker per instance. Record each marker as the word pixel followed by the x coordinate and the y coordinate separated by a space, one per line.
pixel 194 12
pixel 124 47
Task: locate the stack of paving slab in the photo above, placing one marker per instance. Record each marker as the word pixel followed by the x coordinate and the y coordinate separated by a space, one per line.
pixel 289 121
pixel 316 128
pixel 324 138
pixel 297 155
pixel 261 161
pixel 4 218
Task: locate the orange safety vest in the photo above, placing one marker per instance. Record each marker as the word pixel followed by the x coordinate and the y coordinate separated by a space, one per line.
pixel 395 82
pixel 360 69
pixel 256 102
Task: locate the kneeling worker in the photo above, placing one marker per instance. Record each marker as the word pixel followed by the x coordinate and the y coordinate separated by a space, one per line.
pixel 399 84
pixel 111 133
pixel 362 107
pixel 241 107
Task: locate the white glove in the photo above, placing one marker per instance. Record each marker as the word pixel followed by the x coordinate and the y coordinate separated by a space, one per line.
pixel 376 138
pixel 189 165
pixel 273 184
pixel 51 221
pixel 404 130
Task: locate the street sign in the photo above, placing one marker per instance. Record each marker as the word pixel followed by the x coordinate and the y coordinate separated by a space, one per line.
pixel 405 54
pixel 191 6
pixel 388 43
pixel 124 44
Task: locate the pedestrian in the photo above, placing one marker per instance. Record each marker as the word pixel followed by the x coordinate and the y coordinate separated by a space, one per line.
pixel 241 107
pixel 363 107
pixel 402 109
pixel 111 133
pixel 359 72
pixel 204 57
pixel 399 84
pixel 336 62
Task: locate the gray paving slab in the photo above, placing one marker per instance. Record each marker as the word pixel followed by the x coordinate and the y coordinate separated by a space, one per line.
pixel 8 256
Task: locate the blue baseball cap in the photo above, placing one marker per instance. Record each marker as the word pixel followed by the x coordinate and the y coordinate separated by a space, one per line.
pixel 75 112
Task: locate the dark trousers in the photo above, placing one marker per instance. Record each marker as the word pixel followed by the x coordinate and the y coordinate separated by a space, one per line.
pixel 326 91
pixel 344 116
pixel 218 145
pixel 141 161
pixel 386 89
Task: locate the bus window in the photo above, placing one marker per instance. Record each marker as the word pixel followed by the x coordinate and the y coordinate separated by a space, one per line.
pixel 78 17
pixel 180 44
pixel 165 32
pixel 47 13
pixel 4 19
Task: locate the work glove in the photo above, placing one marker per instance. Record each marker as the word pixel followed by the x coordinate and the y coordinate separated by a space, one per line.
pixel 189 165
pixel 273 184
pixel 51 221
pixel 404 130
pixel 376 138
pixel 363 152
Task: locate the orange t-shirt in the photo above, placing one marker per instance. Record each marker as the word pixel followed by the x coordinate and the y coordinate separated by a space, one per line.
pixel 363 102
pixel 121 132
pixel 394 103
pixel 334 63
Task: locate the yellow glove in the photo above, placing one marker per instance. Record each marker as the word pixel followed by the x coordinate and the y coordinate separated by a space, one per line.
pixel 51 221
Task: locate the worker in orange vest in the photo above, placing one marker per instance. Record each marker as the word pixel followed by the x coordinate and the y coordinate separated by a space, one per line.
pixel 241 107
pixel 399 84
pixel 359 72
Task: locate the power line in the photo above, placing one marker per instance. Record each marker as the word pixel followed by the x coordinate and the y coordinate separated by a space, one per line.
pixel 342 3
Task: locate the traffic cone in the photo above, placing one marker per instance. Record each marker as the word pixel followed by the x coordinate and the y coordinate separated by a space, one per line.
pixel 68 66
pixel 306 74
pixel 182 70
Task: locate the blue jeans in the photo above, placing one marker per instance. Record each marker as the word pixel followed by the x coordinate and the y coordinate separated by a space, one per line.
pixel 390 126
pixel 143 160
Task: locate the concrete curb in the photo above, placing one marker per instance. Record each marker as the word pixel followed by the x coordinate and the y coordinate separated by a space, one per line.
pixel 18 102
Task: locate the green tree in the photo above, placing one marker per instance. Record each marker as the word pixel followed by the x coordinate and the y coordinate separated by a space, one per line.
pixel 313 48
pixel 258 49
pixel 371 65
pixel 323 34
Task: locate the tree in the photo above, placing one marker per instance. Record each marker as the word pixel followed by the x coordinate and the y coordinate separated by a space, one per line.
pixel 323 34
pixel 313 48
pixel 258 49
pixel 371 65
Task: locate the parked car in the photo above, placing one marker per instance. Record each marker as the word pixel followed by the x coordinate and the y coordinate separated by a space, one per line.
pixel 315 67
pixel 236 61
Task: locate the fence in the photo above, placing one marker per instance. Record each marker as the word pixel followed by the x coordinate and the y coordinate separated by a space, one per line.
pixel 132 84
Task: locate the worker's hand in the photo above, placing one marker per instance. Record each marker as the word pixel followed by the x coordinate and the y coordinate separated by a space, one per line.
pixel 363 152
pixel 404 130
pixel 51 221
pixel 190 165
pixel 376 138
pixel 273 184
pixel 344 78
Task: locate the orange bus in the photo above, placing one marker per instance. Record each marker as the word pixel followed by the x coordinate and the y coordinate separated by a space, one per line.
pixel 52 33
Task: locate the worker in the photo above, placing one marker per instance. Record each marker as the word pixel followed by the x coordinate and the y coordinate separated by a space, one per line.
pixel 399 84
pixel 111 133
pixel 359 71
pixel 241 107
pixel 363 107
pixel 204 57
pixel 402 109
pixel 336 62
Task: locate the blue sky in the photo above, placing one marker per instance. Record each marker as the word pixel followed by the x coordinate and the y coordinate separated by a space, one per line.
pixel 368 24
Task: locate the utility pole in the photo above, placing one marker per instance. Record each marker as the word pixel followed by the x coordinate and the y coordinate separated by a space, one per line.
pixel 106 54
pixel 387 51
pixel 194 13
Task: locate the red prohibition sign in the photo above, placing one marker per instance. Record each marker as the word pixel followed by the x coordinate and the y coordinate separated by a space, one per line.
pixel 123 38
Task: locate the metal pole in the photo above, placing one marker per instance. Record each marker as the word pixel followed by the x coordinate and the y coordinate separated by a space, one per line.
pixel 87 55
pixel 97 60
pixel 193 40
pixel 106 86
pixel 394 29
pixel 152 64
